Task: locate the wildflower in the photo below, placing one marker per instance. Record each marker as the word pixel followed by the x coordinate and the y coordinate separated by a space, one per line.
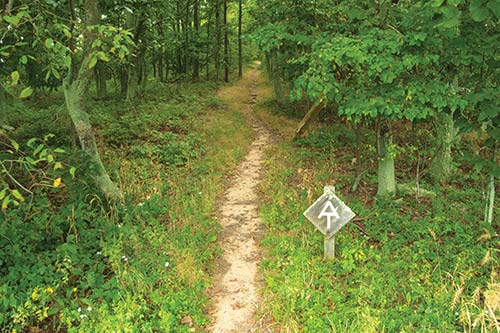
pixel 99 253
pixel 79 309
pixel 89 309
pixel 140 204
pixel 124 259
pixel 49 290
pixel 167 265
pixel 83 316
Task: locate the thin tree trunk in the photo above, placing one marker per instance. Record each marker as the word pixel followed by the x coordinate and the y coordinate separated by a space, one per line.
pixel 207 63
pixel 124 82
pixel 196 23
pixel 240 45
pixel 308 119
pixel 177 27
pixel 160 68
pixel 100 80
pixel 386 175
pixel 186 39
pixel 217 39
pixel 226 45
pixel 491 194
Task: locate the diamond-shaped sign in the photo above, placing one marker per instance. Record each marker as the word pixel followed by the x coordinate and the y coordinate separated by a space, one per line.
pixel 329 214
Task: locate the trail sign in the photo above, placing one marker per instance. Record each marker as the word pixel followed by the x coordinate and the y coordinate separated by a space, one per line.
pixel 329 214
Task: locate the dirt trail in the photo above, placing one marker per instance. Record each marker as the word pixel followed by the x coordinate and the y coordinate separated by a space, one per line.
pixel 235 297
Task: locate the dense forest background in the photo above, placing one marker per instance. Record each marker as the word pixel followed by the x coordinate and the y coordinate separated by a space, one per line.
pixel 114 147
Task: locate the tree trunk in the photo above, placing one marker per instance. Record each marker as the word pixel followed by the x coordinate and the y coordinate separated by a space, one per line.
pixel 196 23
pixel 441 165
pixel 308 119
pixel 491 200
pixel 226 45
pixel 217 39
pixel 386 175
pixel 177 28
pixel 240 45
pixel 160 69
pixel 75 86
pixel 74 95
pixel 100 78
pixel 3 110
pixel 124 82
pixel 207 62
pixel 186 39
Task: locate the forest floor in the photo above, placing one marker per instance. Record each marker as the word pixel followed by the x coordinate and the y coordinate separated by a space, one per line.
pixel 235 291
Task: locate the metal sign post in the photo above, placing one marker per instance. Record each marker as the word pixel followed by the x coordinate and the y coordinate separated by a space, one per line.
pixel 329 214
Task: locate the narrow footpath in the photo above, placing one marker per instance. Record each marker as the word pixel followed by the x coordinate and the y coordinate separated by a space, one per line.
pixel 235 296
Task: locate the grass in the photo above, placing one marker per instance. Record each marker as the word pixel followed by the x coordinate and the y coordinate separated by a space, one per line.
pixel 140 267
pixel 403 265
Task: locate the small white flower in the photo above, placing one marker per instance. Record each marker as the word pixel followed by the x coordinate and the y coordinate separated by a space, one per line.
pixel 103 17
pixel 167 264
pixel 119 225
pixel 83 316
pixel 99 253
pixel 456 314
pixel 199 193
pixel 124 259
pixel 140 204
pixel 79 309
pixel 89 309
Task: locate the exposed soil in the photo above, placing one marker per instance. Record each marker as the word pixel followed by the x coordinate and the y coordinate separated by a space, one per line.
pixel 235 296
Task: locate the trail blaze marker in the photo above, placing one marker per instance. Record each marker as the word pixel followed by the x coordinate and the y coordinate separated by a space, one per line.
pixel 329 214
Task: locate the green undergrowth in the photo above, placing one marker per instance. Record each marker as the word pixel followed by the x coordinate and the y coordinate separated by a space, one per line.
pixel 70 262
pixel 403 265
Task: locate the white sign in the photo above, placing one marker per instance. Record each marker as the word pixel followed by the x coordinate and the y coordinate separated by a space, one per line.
pixel 329 214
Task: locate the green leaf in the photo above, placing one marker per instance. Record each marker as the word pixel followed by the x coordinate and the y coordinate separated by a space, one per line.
pixel 49 43
pixel 478 11
pixel 14 144
pixel 3 193
pixel 14 20
pixel 57 165
pixel 494 6
pixel 5 203
pixel 14 76
pixel 17 195
pixel 72 171
pixel 26 92
pixel 23 60
pixel 92 62
pixel 67 60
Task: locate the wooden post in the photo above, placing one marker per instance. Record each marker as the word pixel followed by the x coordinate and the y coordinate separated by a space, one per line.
pixel 329 243
pixel 329 248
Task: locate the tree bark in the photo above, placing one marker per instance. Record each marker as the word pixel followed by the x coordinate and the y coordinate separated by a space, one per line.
pixel 226 45
pixel 100 80
pixel 217 39
pixel 186 39
pixel 196 23
pixel 386 175
pixel 75 87
pixel 308 119
pixel 240 45
pixel 441 166
pixel 207 62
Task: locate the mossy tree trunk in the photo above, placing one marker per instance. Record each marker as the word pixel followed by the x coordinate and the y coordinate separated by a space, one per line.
pixel 101 80
pixel 386 175
pixel 75 87
pixel 441 166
